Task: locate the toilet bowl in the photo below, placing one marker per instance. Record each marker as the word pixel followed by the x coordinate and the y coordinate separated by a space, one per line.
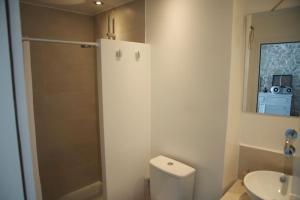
pixel 170 179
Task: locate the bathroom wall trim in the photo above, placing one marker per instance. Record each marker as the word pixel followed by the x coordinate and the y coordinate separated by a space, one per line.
pixel 260 148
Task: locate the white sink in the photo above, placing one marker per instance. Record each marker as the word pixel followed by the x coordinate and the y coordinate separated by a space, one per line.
pixel 269 185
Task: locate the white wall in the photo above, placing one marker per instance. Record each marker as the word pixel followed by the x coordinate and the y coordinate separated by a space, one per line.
pixel 265 131
pixel 125 134
pixel 256 130
pixel 190 58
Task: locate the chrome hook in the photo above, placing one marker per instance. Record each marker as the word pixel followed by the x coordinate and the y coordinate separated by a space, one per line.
pixel 137 55
pixel 119 53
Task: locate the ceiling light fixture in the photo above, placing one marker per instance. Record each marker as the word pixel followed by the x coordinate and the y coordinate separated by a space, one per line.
pixel 98 3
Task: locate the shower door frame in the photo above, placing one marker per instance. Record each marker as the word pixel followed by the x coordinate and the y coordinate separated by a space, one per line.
pixel 31 121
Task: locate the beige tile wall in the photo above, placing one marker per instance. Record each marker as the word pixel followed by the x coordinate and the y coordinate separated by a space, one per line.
pixel 65 100
pixel 129 22
pixel 50 23
pixel 252 159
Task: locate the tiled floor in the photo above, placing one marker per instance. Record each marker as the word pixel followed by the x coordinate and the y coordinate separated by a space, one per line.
pixel 236 192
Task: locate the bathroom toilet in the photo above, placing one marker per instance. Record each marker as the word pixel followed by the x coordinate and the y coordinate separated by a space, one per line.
pixel 170 179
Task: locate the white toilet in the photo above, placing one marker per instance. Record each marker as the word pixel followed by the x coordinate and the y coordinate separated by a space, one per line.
pixel 170 179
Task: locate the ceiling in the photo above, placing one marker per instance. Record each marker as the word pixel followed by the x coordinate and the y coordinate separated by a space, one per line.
pixel 86 7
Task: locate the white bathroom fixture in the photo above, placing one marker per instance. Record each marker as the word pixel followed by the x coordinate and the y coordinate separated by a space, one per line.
pixel 170 179
pixel 262 185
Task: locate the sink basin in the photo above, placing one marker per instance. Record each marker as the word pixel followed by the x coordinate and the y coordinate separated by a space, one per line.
pixel 269 185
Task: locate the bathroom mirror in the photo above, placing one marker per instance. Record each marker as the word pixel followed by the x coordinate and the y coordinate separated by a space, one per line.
pixel 272 63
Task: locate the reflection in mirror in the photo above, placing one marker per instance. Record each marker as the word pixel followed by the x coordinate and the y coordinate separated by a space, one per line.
pixel 272 63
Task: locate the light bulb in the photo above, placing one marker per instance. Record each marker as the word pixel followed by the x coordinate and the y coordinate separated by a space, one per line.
pixel 98 3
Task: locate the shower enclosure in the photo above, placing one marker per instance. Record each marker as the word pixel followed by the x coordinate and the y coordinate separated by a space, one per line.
pixel 62 92
pixel 89 107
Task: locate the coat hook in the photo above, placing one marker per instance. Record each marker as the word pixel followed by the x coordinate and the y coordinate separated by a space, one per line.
pixel 119 53
pixel 137 55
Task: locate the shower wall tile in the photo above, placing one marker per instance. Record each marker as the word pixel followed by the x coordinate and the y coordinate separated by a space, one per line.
pixel 44 22
pixel 65 100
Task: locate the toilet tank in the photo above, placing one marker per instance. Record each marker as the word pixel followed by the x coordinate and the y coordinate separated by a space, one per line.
pixel 170 179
